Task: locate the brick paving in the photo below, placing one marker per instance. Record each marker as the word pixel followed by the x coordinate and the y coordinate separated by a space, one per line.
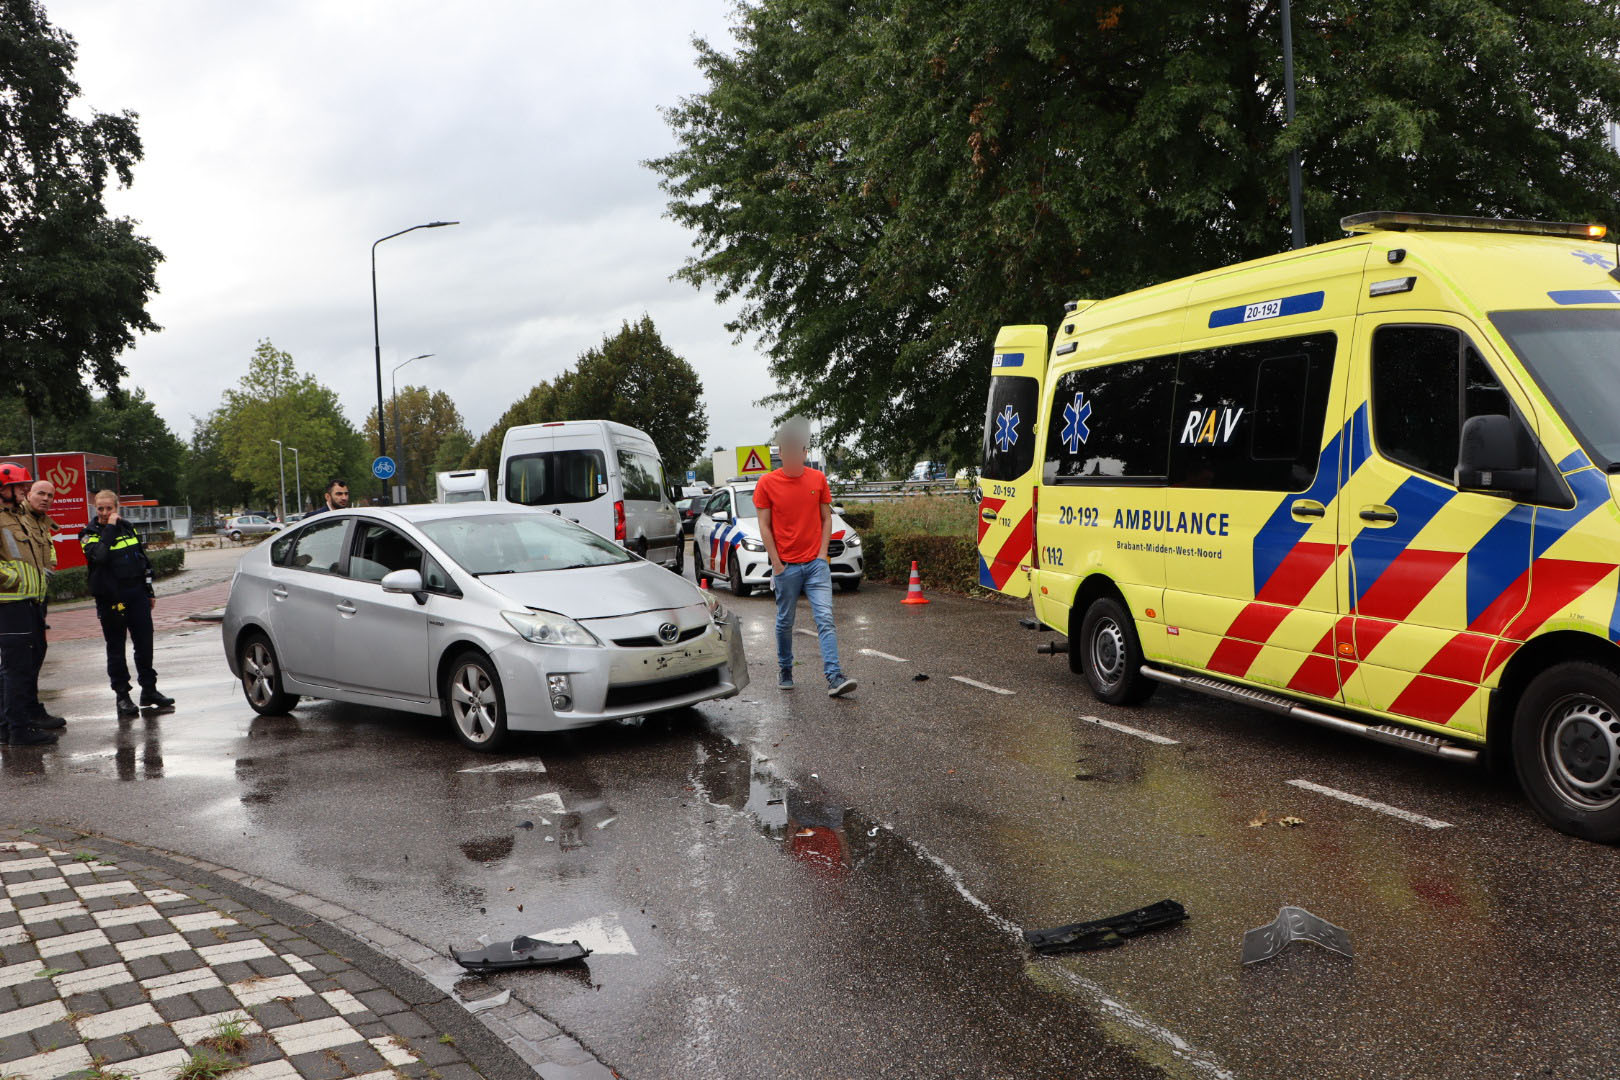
pixel 171 613
pixel 114 966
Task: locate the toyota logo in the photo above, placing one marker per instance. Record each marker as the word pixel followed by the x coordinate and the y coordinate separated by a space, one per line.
pixel 668 633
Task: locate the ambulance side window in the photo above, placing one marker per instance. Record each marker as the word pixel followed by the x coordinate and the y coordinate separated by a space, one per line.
pixel 1111 423
pixel 1009 427
pixel 1249 416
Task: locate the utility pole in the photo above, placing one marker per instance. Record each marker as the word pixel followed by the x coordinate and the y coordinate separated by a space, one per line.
pixel 376 336
pixel 281 466
pixel 1296 212
pixel 298 475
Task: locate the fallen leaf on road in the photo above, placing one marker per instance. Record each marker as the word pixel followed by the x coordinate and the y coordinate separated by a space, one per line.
pixel 1256 823
pixel 1290 822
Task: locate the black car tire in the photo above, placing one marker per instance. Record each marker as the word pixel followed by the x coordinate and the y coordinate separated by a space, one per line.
pixel 261 676
pixel 1110 655
pixel 850 584
pixel 1566 749
pixel 739 587
pixel 680 556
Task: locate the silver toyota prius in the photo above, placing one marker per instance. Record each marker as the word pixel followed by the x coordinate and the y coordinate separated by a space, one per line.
pixel 499 618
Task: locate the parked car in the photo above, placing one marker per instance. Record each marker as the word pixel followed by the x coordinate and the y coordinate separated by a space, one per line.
pixel 496 617
pixel 726 544
pixel 300 516
pixel 690 508
pixel 605 476
pixel 248 525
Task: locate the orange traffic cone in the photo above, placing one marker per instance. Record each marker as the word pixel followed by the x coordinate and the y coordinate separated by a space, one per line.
pixel 914 593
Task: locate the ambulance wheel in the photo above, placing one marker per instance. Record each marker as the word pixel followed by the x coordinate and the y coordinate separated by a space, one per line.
pixel 1566 748
pixel 1109 654
pixel 739 587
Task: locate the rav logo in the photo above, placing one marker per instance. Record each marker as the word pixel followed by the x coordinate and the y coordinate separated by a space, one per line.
pixel 1210 425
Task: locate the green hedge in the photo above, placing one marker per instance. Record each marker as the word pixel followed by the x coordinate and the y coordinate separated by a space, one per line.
pixel 73 582
pixel 859 519
pixel 943 562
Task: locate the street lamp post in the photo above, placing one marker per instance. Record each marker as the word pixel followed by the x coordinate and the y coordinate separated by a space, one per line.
pixel 281 467
pixel 376 335
pixel 1296 213
pixel 298 475
pixel 393 397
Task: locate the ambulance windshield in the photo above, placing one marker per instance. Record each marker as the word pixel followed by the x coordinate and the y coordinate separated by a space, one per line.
pixel 1575 357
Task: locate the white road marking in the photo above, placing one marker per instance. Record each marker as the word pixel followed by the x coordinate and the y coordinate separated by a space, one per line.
pixel 982 686
pixel 601 934
pixel 525 765
pixel 884 656
pixel 1369 804
pixel 1162 740
pixel 806 633
pixel 549 801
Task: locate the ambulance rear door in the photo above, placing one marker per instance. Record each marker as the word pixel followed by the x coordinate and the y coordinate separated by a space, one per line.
pixel 1010 470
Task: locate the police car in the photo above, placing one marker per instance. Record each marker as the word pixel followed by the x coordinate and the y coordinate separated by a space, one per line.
pixel 726 544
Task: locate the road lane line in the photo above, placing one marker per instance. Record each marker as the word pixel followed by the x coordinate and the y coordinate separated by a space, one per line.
pixel 806 633
pixel 884 656
pixel 1369 804
pixel 1199 1060
pixel 526 765
pixel 981 685
pixel 1162 740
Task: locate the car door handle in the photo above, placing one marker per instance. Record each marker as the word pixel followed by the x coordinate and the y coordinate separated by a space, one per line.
pixel 346 607
pixel 1383 514
pixel 279 592
pixel 1307 508
pixel 435 622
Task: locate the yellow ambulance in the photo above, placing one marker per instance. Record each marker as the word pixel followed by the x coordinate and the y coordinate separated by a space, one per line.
pixel 1370 484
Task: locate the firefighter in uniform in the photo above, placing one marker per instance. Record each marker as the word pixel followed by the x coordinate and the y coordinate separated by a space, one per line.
pixel 26 559
pixel 121 582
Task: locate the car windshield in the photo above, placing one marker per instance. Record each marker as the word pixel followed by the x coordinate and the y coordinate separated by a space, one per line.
pixel 1575 358
pixel 464 496
pixel 520 543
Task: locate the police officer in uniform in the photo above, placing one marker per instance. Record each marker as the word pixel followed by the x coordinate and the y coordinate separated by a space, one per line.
pixel 26 558
pixel 121 582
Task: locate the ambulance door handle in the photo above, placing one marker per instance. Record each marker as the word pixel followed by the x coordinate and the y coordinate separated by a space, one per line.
pixel 1307 508
pixel 1382 515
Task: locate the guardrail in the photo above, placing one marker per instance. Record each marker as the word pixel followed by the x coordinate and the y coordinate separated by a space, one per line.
pixel 898 489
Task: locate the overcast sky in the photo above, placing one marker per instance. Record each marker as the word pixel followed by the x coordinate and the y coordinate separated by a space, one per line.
pixel 283 137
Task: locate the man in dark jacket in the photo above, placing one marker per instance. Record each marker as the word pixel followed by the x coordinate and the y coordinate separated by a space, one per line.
pixel 337 496
pixel 121 582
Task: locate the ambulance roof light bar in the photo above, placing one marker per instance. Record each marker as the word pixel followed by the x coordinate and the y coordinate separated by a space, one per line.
pixel 1400 221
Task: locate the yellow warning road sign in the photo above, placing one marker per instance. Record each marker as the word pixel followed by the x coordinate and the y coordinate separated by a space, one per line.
pixel 753 460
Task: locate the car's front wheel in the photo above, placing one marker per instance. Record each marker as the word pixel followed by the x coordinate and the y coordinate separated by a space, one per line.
pixel 850 584
pixel 261 677
pixel 739 587
pixel 474 702
pixel 680 556
pixel 1566 749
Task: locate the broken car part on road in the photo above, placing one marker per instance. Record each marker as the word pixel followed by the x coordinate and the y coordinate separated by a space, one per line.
pixel 1294 924
pixel 520 952
pixel 1109 933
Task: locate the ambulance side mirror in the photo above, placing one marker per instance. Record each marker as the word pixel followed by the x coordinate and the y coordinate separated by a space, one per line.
pixel 1496 455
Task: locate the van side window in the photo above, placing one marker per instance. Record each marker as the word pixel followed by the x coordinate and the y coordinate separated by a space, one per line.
pixel 1426 381
pixel 1009 427
pixel 1111 422
pixel 642 476
pixel 1249 416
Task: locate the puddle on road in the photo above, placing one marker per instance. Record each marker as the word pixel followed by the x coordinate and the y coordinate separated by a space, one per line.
pixel 487 849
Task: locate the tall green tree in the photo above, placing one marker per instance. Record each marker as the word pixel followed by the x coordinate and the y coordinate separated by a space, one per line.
pixel 419 423
pixel 209 482
pixel 882 184
pixel 274 400
pixel 74 281
pixel 634 378
pixel 151 458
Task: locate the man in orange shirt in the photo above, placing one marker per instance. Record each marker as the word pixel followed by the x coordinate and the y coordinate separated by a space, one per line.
pixel 795 521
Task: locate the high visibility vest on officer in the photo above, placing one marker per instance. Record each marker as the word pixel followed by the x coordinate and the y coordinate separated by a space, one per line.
pixel 26 560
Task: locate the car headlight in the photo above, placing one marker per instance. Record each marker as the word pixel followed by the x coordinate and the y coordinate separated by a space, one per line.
pixel 852 541
pixel 717 610
pixel 750 544
pixel 549 628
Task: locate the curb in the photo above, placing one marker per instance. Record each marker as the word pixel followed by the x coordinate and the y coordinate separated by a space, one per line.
pixel 508 1041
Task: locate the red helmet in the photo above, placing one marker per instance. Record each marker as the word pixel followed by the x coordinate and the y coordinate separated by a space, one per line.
pixel 13 474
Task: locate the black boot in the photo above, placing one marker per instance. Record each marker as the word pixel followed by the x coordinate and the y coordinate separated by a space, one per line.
pixel 126 705
pixel 151 699
pixel 30 736
pixel 47 722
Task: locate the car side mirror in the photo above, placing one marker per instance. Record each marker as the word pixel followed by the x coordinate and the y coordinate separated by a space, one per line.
pixel 721 515
pixel 405 581
pixel 1496 455
pixel 838 508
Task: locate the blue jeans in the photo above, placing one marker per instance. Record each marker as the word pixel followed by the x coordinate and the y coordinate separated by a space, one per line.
pixel 814 580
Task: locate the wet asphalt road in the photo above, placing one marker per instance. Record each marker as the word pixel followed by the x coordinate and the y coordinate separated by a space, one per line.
pixel 787 886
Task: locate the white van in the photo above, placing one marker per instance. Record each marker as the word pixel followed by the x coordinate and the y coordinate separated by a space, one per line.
pixel 606 476
pixel 465 485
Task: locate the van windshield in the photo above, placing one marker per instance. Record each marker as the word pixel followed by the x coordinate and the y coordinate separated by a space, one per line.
pixel 556 476
pixel 1574 356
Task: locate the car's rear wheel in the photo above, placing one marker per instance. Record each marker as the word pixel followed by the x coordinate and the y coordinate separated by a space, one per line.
pixel 261 677
pixel 680 555
pixel 703 579
pixel 1566 749
pixel 237 536
pixel 1110 656
pixel 739 587
pixel 474 702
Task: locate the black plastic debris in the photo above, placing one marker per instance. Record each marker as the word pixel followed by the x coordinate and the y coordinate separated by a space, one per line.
pixel 524 825
pixel 520 952
pixel 919 677
pixel 1109 933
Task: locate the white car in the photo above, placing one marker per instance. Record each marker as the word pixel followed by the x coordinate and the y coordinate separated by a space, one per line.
pixel 499 618
pixel 726 544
